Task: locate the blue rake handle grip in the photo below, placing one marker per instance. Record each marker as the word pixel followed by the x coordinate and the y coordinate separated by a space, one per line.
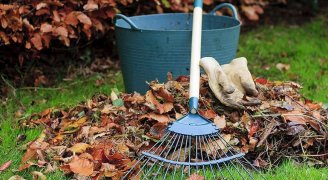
pixel 226 5
pixel 127 20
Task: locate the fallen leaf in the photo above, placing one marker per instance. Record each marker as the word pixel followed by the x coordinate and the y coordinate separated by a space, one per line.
pixel 5 166
pixel 164 119
pixel 220 121
pixel 81 166
pixel 79 147
pixel 209 114
pixel 16 177
pixel 195 176
pixel 283 67
pixel 38 175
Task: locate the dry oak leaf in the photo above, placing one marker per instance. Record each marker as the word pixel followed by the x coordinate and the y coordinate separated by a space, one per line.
pixel 220 121
pixel 81 166
pixel 250 13
pixel 90 6
pixel 195 177
pixel 158 117
pixel 155 104
pixel 36 40
pixel 84 19
pixel 108 169
pixel 60 31
pixel 71 19
pixel 45 28
pixel 294 116
pixel 79 147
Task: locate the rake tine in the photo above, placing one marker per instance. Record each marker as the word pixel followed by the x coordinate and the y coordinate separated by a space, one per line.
pixel 196 153
pixel 201 154
pixel 168 166
pixel 225 147
pixel 175 167
pixel 220 170
pixel 230 147
pixel 208 158
pixel 174 136
pixel 189 172
pixel 184 157
pixel 162 163
pixel 218 153
pixel 142 156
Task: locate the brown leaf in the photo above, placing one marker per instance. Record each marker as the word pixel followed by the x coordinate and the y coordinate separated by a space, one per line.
pixel 79 147
pixel 5 165
pixel 38 175
pixel 250 13
pixel 41 5
pixel 37 41
pixel 108 169
pixel 71 19
pixel 155 104
pixel 195 176
pixel 209 114
pixel 165 94
pixel 208 2
pixel 158 117
pixel 294 116
pixel 45 28
pixel 56 16
pixel 84 19
pixel 60 31
pixel 90 6
pixel 81 166
pixel 220 121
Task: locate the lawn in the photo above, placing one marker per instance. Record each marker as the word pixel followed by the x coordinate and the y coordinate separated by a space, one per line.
pixel 304 48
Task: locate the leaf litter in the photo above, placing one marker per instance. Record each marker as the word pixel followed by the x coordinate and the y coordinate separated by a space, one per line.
pixel 103 136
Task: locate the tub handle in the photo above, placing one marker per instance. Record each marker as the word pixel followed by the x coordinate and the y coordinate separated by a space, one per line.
pixel 226 5
pixel 127 20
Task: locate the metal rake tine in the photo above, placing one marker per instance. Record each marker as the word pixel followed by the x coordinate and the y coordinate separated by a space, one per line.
pixel 189 171
pixel 196 154
pixel 237 159
pixel 236 168
pixel 175 167
pixel 216 152
pixel 168 167
pixel 184 156
pixel 172 142
pixel 155 152
pixel 142 156
pixel 253 167
pixel 201 154
pixel 220 170
pixel 208 158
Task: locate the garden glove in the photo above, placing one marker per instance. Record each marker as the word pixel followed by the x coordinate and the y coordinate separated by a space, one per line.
pixel 230 82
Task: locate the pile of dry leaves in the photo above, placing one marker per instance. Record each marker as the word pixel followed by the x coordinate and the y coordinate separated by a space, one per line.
pixel 103 136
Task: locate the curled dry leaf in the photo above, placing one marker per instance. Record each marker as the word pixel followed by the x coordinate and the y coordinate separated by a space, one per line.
pixel 5 165
pixel 79 147
pixel 38 175
pixel 220 121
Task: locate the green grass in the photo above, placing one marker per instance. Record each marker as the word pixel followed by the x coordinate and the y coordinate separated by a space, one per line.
pixel 305 48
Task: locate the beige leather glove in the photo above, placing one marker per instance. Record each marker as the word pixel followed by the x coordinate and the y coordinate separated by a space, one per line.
pixel 230 82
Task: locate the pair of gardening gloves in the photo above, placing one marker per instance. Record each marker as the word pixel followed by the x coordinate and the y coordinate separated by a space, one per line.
pixel 231 82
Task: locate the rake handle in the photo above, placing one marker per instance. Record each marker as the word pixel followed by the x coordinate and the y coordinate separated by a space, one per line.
pixel 195 56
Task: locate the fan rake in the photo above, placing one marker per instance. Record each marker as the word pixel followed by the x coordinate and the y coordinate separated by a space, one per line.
pixel 192 144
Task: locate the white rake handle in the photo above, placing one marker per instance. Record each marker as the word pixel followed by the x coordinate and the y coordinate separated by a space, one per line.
pixel 195 56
